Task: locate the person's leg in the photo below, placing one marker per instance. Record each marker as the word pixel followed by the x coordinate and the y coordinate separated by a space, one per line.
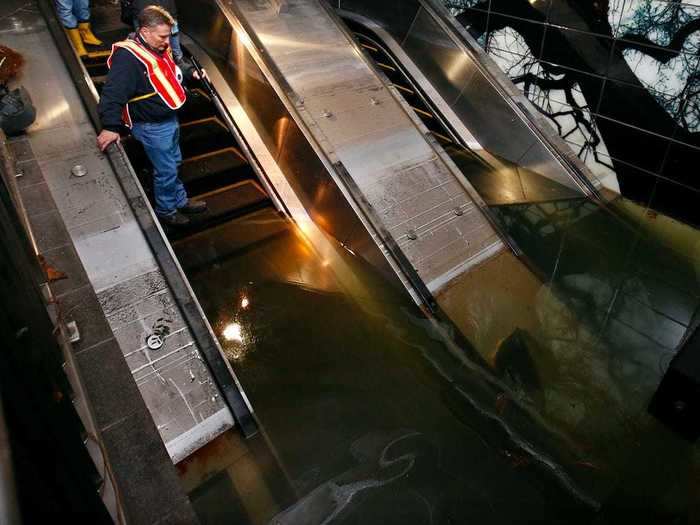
pixel 175 43
pixel 180 191
pixel 161 143
pixel 64 9
pixel 177 49
pixel 81 9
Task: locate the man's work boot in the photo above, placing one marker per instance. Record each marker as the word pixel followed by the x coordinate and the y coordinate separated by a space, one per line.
pixel 87 35
pixel 74 36
pixel 193 207
pixel 176 220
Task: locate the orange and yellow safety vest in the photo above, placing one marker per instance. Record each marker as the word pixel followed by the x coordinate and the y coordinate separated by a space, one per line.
pixel 162 74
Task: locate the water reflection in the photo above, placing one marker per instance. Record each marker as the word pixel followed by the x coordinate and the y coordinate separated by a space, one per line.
pixel 232 332
pixel 330 354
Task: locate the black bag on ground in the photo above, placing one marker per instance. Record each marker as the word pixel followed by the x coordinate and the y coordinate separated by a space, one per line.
pixel 17 112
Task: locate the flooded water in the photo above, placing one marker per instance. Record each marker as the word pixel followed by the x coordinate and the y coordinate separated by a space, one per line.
pixel 526 404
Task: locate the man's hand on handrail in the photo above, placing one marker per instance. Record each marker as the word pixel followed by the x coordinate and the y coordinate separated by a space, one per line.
pixel 197 76
pixel 105 138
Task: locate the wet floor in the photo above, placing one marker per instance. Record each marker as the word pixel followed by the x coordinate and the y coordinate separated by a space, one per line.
pixel 372 415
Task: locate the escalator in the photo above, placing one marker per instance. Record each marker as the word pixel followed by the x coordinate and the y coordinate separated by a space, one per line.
pixel 497 180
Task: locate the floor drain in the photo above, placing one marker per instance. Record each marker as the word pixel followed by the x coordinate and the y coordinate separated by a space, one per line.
pixel 154 342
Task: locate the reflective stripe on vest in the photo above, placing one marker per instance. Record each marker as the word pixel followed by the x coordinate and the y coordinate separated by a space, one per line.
pixel 161 71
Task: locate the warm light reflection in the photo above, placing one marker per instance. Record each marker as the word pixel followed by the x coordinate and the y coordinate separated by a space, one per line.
pixel 232 332
pixel 271 40
pixel 281 131
pixel 243 37
pixel 306 226
pixel 54 113
pixel 245 303
pixel 457 68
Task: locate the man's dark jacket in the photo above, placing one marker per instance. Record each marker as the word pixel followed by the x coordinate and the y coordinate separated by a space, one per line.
pixel 128 79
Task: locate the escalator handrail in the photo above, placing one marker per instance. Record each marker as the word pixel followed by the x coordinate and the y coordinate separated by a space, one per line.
pixel 238 135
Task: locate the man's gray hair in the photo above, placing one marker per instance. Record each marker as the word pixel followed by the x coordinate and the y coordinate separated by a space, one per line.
pixel 153 16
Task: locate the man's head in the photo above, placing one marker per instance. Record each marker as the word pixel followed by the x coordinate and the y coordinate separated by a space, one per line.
pixel 155 26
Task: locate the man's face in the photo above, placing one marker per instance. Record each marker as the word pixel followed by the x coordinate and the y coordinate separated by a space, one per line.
pixel 157 37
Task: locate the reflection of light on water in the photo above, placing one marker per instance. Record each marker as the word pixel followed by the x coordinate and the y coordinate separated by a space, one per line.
pixel 245 302
pixel 232 332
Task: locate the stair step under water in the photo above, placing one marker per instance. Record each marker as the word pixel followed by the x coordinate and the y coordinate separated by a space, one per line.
pixel 200 137
pixel 211 164
pixel 223 204
pixel 197 107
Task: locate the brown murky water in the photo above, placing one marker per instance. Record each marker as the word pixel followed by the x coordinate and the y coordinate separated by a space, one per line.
pixel 373 414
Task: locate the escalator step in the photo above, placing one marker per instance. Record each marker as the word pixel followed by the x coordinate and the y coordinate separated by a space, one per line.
pixel 203 136
pixel 214 170
pixel 96 66
pixel 198 106
pixel 236 236
pixel 227 202
pixel 99 79
pixel 211 164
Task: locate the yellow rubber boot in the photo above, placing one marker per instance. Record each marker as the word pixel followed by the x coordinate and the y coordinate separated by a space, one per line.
pixel 74 36
pixel 88 36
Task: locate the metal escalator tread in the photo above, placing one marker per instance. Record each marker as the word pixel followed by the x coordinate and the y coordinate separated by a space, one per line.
pixel 96 65
pixel 230 201
pixel 203 136
pixel 211 164
pixel 197 107
pixel 99 79
pixel 201 249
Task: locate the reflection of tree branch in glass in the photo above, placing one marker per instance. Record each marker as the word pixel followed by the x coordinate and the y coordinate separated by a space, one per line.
pixel 642 75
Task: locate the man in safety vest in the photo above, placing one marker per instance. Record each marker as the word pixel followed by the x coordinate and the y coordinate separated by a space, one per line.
pixel 144 91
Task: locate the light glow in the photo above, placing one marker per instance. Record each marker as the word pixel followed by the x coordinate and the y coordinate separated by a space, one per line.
pixel 232 332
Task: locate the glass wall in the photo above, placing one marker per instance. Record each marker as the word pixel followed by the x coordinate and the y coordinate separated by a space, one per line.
pixel 618 79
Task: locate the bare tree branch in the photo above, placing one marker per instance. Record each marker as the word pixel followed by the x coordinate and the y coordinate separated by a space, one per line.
pixel 662 54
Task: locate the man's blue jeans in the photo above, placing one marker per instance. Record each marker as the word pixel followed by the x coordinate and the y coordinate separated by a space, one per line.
pixel 161 140
pixel 71 12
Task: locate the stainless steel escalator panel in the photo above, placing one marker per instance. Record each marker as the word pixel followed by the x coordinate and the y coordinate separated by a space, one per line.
pixel 366 129
pixel 447 67
pixel 337 109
